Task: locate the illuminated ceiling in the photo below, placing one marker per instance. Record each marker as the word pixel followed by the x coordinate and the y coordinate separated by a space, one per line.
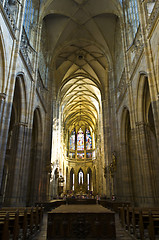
pixel 80 102
pixel 81 43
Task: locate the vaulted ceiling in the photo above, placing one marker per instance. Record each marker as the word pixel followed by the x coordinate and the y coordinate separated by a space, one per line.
pixel 81 36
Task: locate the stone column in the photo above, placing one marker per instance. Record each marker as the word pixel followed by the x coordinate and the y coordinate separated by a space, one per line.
pixel 123 169
pixel 85 181
pixel 2 141
pixel 152 77
pixel 144 192
pixel 16 174
pixel 107 143
pixel 76 181
pixel 36 176
pixel 68 180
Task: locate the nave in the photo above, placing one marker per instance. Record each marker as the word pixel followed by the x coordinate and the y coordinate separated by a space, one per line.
pixel 120 233
pixel 79 219
pixel 79 110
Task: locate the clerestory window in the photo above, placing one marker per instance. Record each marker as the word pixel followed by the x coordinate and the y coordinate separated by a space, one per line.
pixel 80 144
pixel 28 16
pixel 131 18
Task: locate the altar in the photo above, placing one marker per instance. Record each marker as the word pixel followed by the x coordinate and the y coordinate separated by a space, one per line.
pixel 81 222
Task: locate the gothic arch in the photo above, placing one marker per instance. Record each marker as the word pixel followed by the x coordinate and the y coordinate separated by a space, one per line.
pixel 89 179
pixel 72 178
pixel 143 99
pixel 37 111
pixel 2 62
pixel 19 104
pixel 15 140
pixel 20 80
pixel 19 107
pixel 157 70
pixel 124 123
pixel 35 164
pixel 81 171
pixel 147 136
pixel 126 164
pixel 144 104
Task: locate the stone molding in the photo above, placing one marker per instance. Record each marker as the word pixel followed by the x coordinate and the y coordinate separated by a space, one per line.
pixel 2 96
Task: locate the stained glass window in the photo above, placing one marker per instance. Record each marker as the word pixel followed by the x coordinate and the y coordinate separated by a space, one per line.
pixel 80 140
pixel 28 16
pixel 88 140
pixel 131 18
pixel 89 155
pixel 72 140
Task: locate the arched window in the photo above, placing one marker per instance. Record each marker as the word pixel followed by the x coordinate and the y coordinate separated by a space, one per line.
pixel 72 140
pixel 88 140
pixel 81 144
pixel 80 140
pixel 89 179
pixel 80 177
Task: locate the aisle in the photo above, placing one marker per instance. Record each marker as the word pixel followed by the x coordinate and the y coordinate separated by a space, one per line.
pixel 120 233
pixel 43 233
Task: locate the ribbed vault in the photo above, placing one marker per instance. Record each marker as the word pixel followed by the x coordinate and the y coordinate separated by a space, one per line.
pixel 80 103
pixel 80 38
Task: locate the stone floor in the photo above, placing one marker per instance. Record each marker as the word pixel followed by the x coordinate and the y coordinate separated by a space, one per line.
pixel 120 233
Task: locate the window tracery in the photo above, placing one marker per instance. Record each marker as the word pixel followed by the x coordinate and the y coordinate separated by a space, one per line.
pixel 80 140
pixel 28 16
pixel 80 144
pixel 131 18
pixel 88 140
pixel 72 140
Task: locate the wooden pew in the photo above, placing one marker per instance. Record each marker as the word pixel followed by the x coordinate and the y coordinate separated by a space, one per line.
pixel 24 222
pixel 13 223
pixel 140 220
pixel 4 227
pixel 114 205
pixel 153 224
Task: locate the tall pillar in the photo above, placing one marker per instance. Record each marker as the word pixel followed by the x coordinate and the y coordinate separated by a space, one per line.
pixel 2 141
pixel 152 76
pixel 107 143
pixel 5 122
pixel 76 185
pixel 124 190
pixel 144 191
pixel 17 173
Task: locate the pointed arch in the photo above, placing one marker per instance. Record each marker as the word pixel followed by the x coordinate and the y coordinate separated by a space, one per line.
pixel 35 164
pixel 72 179
pixel 143 98
pixel 20 81
pixel 2 62
pixel 125 123
pixel 89 179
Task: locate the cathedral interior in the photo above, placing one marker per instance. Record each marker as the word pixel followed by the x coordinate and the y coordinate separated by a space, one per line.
pixel 79 100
